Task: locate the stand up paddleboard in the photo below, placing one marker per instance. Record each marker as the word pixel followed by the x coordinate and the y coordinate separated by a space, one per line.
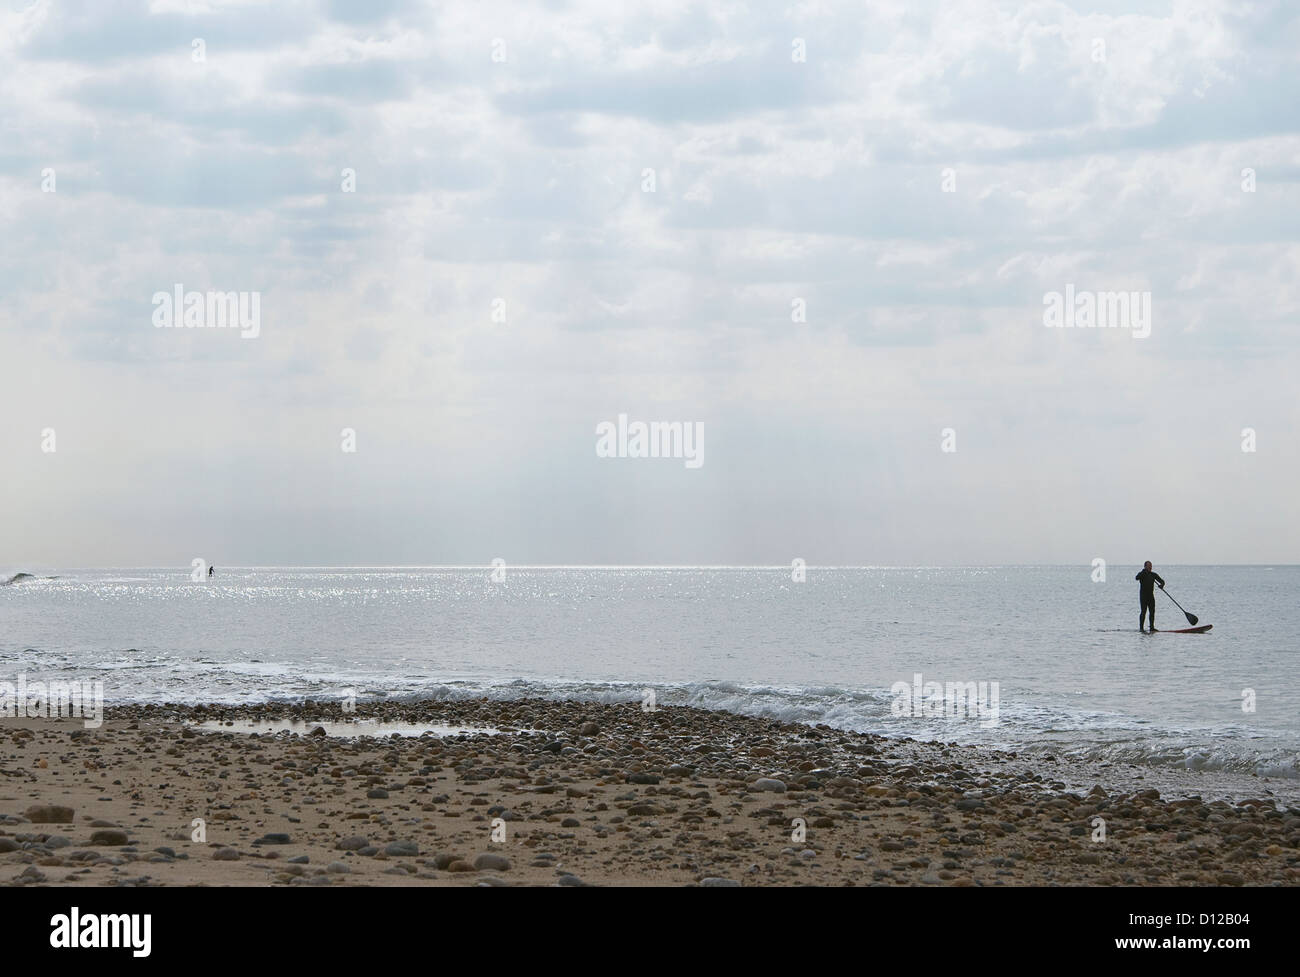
pixel 1201 630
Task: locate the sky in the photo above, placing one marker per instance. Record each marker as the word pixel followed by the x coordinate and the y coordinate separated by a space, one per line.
pixel 820 236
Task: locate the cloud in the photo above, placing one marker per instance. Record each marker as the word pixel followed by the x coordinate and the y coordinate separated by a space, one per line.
pixel 918 183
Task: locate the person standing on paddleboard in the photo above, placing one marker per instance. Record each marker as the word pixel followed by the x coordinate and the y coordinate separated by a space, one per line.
pixel 1147 578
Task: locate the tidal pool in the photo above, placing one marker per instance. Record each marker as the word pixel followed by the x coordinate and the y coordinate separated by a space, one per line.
pixel 359 727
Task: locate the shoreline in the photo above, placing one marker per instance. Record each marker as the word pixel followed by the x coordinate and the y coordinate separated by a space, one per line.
pixel 577 792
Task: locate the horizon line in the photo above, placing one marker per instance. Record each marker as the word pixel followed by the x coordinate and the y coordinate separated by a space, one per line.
pixel 639 566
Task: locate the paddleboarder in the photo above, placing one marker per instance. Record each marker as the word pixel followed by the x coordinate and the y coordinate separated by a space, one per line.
pixel 1147 578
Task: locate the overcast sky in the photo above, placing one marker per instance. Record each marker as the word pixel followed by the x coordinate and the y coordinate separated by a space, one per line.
pixel 917 177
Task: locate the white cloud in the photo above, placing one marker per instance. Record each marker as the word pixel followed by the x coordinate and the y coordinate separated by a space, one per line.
pixel 522 181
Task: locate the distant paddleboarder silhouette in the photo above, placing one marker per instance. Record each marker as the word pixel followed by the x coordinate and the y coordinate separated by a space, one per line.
pixel 213 570
pixel 1147 578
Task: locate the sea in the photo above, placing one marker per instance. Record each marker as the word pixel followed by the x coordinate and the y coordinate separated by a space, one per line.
pixel 1045 663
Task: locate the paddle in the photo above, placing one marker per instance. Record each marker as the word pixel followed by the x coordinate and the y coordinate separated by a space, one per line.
pixel 1191 618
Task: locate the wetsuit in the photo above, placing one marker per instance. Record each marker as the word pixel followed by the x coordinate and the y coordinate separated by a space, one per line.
pixel 1147 595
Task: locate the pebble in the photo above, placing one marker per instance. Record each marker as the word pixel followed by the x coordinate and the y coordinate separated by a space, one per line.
pixel 672 792
pixel 49 814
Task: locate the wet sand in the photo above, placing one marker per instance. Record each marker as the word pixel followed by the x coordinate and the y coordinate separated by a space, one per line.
pixel 577 793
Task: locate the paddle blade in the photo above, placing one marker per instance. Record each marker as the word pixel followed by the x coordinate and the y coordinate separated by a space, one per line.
pixel 1191 618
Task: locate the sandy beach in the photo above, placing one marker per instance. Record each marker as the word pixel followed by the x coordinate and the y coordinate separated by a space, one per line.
pixel 576 793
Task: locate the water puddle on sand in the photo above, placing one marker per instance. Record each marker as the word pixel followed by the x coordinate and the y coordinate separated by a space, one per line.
pixel 360 727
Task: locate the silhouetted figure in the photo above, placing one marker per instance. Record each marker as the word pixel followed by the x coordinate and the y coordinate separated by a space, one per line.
pixel 213 570
pixel 1147 578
